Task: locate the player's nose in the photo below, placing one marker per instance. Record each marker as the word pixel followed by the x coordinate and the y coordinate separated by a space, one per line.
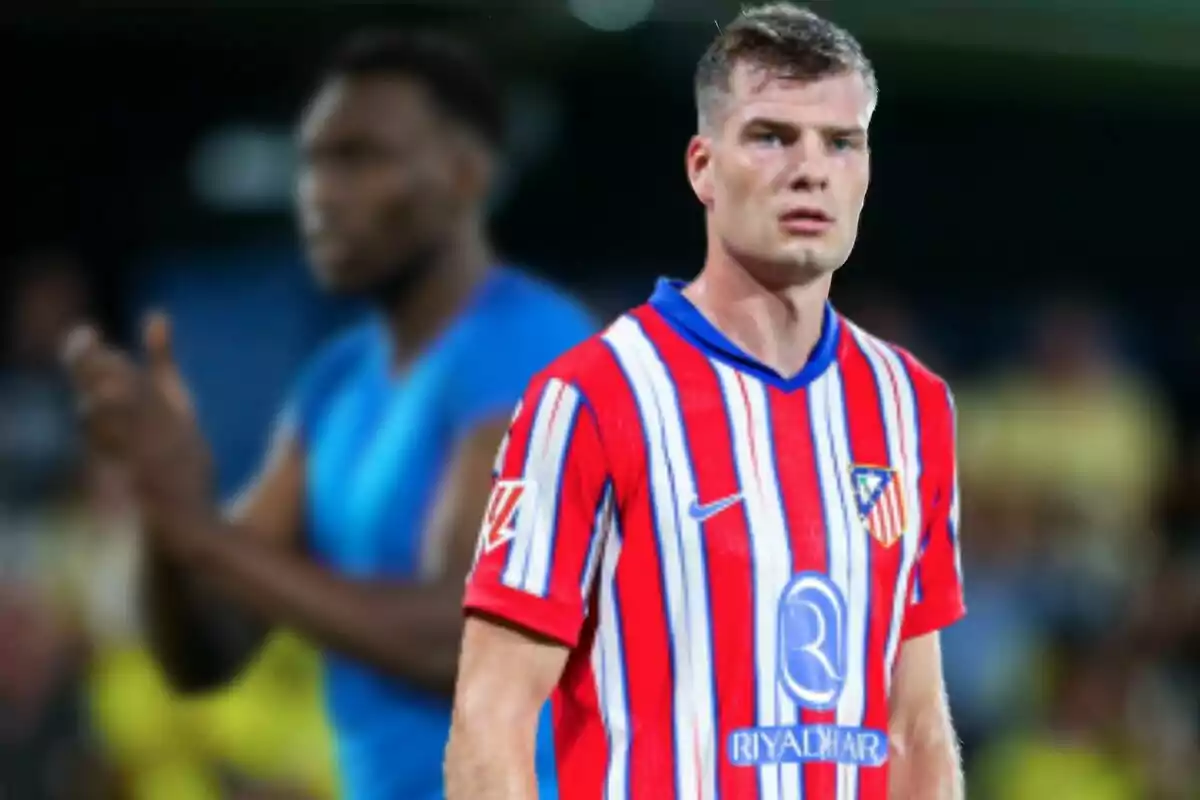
pixel 808 164
pixel 810 175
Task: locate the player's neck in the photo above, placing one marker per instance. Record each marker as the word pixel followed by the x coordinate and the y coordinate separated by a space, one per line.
pixel 778 326
pixel 417 314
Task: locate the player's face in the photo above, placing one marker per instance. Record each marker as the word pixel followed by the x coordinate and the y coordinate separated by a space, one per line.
pixel 377 188
pixel 784 170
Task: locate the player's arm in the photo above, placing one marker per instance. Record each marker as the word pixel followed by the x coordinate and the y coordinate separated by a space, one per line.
pixel 545 533
pixel 506 675
pixel 200 637
pixel 407 629
pixel 924 754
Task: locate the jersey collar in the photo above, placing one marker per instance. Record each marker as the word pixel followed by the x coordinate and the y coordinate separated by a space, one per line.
pixel 669 301
pixel 497 276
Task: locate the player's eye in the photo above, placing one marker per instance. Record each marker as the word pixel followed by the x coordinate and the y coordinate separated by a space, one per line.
pixel 346 155
pixel 768 138
pixel 841 143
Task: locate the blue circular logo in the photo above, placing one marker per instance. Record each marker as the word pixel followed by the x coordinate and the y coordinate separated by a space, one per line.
pixel 812 640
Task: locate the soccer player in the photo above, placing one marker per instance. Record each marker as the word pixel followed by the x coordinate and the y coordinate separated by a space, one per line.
pixel 361 527
pixel 723 532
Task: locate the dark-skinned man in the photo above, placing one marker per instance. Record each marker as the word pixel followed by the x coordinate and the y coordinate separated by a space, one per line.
pixel 363 522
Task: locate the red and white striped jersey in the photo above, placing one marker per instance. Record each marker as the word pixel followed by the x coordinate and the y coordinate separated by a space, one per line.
pixel 734 558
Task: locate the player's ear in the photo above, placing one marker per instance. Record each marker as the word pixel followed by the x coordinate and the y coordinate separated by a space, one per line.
pixel 698 161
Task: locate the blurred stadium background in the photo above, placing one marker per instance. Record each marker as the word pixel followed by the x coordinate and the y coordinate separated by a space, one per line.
pixel 1030 233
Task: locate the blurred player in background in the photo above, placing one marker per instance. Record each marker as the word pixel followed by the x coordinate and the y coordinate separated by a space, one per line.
pixel 725 530
pixel 361 526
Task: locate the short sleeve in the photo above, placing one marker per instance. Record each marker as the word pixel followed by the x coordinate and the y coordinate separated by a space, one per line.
pixel 936 597
pixel 548 516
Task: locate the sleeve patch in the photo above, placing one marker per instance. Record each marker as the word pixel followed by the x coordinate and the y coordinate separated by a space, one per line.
pixel 508 499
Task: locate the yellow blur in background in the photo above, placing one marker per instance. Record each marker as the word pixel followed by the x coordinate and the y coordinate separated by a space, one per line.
pixel 268 729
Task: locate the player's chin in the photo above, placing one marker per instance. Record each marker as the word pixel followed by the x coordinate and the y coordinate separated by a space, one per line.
pixel 812 257
pixel 339 275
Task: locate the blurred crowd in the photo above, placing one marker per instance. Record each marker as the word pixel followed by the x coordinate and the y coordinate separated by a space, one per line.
pixel 84 713
pixel 1075 675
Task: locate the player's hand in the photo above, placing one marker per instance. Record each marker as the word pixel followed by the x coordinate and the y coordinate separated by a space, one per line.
pixel 142 416
pixel 156 338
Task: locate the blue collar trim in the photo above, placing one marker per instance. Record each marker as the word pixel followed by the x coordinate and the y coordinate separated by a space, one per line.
pixel 669 301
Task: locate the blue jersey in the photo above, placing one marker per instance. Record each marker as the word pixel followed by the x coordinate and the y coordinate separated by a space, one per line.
pixel 376 444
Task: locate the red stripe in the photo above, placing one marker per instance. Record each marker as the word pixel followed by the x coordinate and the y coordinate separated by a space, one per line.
pixel 578 495
pixel 726 546
pixel 868 445
pixel 796 468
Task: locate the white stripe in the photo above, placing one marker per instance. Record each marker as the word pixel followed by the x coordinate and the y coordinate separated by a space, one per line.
pixel 954 519
pixel 600 528
pixel 623 337
pixel 769 509
pixel 514 566
pixel 528 566
pixel 900 423
pixel 852 705
pixel 608 665
pixel 770 574
pixel 691 544
pixel 832 502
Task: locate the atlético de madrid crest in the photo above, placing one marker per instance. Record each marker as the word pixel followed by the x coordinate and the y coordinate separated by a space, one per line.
pixel 879 494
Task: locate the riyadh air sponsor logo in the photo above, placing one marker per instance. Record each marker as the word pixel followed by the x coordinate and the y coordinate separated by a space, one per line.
pixel 811 669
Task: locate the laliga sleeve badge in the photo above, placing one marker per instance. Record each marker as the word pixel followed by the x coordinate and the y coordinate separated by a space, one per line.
pixel 500 520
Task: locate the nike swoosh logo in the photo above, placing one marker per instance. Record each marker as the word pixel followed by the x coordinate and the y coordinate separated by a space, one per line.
pixel 700 513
